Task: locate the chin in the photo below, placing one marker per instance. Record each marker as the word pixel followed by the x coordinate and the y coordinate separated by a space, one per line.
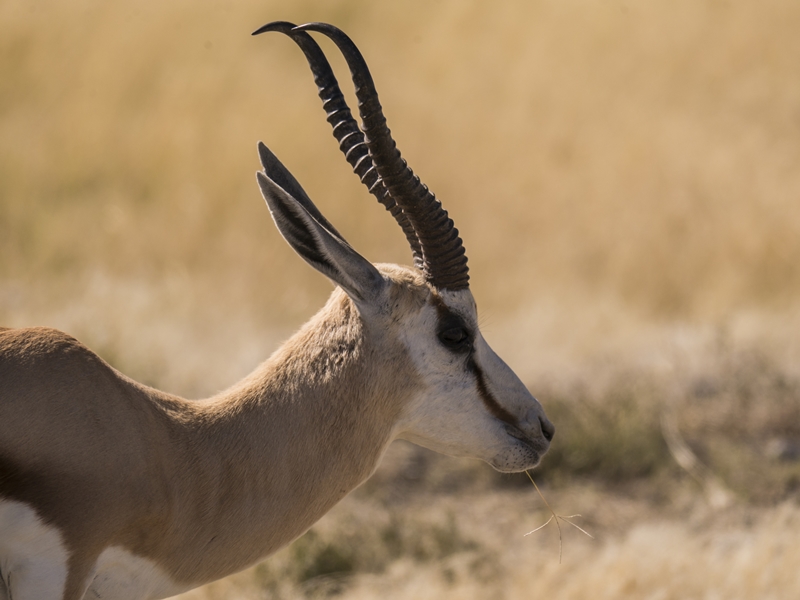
pixel 519 457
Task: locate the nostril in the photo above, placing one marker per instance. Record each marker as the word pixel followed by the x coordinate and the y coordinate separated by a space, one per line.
pixel 548 429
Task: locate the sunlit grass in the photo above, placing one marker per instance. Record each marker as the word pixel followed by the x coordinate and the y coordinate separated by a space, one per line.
pixel 625 177
pixel 642 152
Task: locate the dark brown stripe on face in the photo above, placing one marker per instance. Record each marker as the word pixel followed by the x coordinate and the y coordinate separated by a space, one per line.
pixel 445 314
pixel 489 400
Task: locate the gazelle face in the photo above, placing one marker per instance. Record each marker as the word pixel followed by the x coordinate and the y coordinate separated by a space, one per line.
pixel 471 404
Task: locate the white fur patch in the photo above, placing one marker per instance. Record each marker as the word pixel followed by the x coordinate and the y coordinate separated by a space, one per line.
pixel 120 575
pixel 33 564
pixel 33 559
pixel 450 415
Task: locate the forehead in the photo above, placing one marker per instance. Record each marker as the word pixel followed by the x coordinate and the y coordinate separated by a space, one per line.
pixel 411 292
pixel 453 306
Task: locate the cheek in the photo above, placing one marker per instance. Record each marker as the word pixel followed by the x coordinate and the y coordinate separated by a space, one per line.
pixel 452 410
pixel 451 384
pixel 452 429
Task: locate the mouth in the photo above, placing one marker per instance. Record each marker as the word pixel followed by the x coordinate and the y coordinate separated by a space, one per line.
pixel 527 454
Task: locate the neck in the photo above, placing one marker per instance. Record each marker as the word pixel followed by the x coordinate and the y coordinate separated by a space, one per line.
pixel 283 446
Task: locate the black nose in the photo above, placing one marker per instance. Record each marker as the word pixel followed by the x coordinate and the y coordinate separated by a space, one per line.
pixel 548 429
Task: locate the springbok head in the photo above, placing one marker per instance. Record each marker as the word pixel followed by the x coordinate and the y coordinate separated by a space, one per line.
pixel 469 402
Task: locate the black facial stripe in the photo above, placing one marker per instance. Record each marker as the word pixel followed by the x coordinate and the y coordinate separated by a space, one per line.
pixel 491 403
pixel 448 319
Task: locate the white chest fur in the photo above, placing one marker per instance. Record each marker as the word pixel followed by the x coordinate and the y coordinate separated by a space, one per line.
pixel 33 564
pixel 33 559
pixel 120 575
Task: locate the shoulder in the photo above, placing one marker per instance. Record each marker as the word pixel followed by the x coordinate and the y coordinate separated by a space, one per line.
pixel 38 341
pixel 36 347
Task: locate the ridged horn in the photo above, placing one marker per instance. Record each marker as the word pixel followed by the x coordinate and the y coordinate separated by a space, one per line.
pixel 345 128
pixel 444 258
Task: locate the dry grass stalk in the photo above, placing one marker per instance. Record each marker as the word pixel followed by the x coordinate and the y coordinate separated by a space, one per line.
pixel 556 517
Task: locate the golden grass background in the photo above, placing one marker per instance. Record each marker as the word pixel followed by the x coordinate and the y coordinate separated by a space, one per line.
pixel 626 178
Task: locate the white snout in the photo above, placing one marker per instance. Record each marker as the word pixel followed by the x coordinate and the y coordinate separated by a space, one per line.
pixel 470 404
pixel 528 437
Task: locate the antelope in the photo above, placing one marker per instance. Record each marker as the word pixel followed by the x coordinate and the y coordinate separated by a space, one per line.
pixel 111 489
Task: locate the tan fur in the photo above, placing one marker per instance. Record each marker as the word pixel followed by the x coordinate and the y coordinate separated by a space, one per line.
pixel 202 488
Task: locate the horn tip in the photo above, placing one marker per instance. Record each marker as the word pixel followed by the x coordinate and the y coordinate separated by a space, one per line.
pixel 282 26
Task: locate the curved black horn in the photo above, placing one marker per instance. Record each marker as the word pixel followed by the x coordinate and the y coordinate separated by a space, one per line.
pixel 444 258
pixel 345 128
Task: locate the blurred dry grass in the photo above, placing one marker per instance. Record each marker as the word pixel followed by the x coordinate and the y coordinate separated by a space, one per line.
pixel 626 180
pixel 742 557
pixel 643 152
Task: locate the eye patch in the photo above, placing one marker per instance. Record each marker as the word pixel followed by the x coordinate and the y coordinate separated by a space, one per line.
pixel 452 330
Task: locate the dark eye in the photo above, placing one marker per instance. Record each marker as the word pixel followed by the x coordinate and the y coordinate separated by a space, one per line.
pixel 455 338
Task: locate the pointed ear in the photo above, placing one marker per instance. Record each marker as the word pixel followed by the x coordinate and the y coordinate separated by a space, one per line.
pixel 323 249
pixel 274 170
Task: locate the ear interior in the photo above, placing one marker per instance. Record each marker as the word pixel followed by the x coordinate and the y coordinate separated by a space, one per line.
pixel 274 170
pixel 320 246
